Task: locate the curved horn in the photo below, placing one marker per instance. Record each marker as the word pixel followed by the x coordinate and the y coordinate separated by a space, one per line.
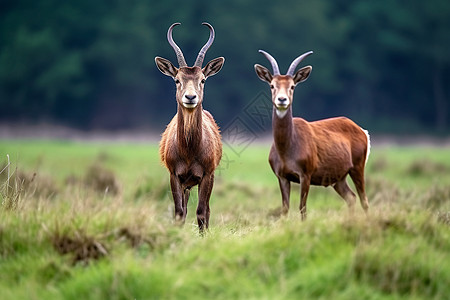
pixel 201 54
pixel 295 63
pixel 180 56
pixel 276 70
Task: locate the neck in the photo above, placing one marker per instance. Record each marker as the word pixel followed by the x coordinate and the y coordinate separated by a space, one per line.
pixel 282 128
pixel 189 127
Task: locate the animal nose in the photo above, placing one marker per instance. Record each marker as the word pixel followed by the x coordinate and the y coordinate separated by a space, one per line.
pixel 282 99
pixel 190 97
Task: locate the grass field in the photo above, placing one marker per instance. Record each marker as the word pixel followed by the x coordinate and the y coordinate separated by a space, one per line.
pixel 94 221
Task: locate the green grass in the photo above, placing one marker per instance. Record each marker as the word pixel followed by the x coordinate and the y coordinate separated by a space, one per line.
pixel 69 237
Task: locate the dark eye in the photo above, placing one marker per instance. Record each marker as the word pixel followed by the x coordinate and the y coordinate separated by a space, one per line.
pixel 292 87
pixel 272 87
pixel 203 81
pixel 177 81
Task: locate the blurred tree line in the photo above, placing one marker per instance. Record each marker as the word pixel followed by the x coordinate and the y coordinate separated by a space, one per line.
pixel 90 64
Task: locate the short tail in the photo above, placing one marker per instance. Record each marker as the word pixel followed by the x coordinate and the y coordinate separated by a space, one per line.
pixel 368 143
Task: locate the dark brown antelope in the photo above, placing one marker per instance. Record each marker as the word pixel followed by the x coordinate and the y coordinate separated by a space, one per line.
pixel 191 146
pixel 318 153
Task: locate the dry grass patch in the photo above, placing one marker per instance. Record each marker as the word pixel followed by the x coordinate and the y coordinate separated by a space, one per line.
pixel 97 178
pixel 437 196
pixel 83 248
pixel 16 184
pixel 427 167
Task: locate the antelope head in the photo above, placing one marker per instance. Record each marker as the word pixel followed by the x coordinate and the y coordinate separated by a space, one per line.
pixel 189 81
pixel 282 86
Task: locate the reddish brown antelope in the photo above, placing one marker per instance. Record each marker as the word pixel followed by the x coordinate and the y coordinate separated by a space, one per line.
pixel 191 146
pixel 318 153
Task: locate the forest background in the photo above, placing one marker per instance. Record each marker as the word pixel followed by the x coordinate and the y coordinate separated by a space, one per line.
pixel 90 64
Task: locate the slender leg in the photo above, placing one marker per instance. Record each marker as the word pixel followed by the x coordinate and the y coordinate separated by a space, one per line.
pixel 305 182
pixel 177 195
pixel 185 202
pixel 204 193
pixel 285 188
pixel 342 188
pixel 357 175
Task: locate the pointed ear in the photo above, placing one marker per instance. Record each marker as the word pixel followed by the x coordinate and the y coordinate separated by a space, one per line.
pixel 302 74
pixel 213 67
pixel 166 67
pixel 263 73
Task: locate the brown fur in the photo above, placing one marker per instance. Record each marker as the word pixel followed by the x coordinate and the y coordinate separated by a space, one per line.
pixel 173 141
pixel 191 146
pixel 319 153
